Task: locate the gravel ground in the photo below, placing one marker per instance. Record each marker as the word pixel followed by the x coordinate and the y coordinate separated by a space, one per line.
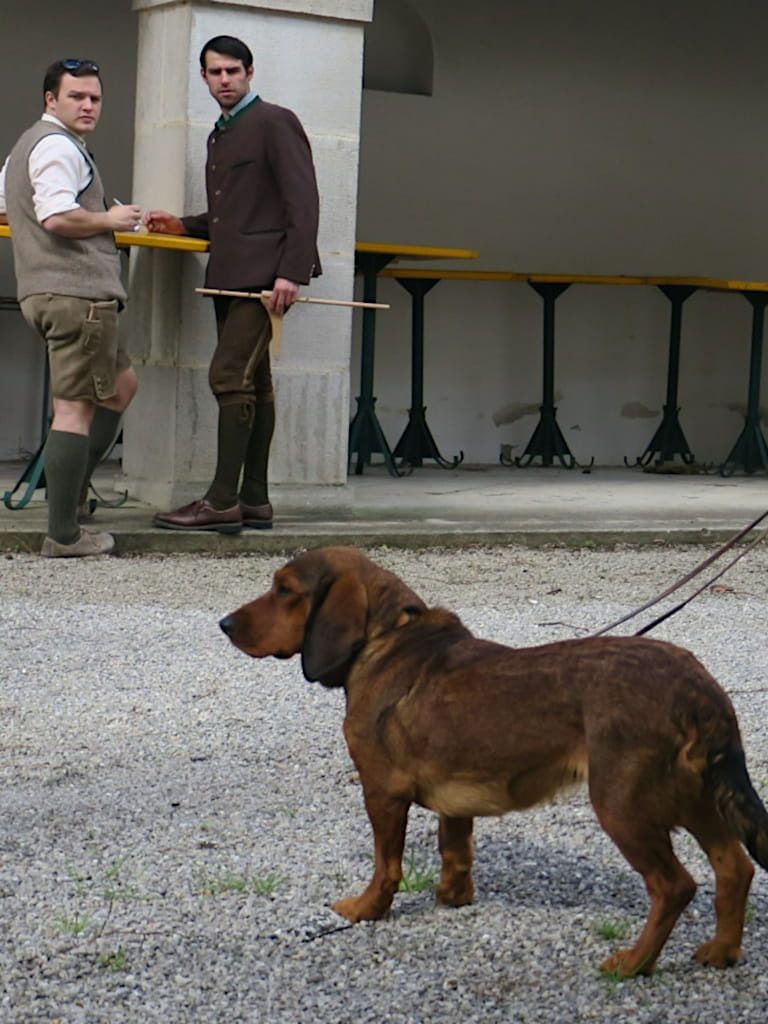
pixel 177 818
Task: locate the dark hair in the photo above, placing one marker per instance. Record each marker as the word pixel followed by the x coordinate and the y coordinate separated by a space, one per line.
pixel 230 47
pixel 69 66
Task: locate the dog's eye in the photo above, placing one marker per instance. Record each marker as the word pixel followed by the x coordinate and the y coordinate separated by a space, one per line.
pixel 283 591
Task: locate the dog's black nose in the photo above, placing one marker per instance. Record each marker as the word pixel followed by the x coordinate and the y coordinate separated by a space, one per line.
pixel 228 624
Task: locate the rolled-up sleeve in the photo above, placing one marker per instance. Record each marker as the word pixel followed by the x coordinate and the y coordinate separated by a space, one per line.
pixel 58 173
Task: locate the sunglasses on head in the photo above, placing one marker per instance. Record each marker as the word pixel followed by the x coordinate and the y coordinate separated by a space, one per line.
pixel 80 65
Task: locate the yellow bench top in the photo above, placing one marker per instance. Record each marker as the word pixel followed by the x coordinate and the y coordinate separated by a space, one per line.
pixel 184 243
pixel 181 243
pixel 142 238
pixel 709 283
pixel 415 252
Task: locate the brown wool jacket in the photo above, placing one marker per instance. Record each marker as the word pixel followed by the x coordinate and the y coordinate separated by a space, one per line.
pixel 263 205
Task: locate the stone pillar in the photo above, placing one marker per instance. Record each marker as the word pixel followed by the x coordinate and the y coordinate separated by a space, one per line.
pixel 308 57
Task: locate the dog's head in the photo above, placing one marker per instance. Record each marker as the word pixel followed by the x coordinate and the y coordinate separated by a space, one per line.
pixel 326 604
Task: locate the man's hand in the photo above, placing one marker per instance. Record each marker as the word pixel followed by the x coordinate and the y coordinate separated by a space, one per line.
pixel 124 217
pixel 162 223
pixel 284 293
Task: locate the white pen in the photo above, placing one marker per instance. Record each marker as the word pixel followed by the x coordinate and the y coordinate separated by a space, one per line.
pixel 119 202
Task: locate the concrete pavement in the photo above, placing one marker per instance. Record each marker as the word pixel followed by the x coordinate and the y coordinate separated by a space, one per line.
pixel 435 507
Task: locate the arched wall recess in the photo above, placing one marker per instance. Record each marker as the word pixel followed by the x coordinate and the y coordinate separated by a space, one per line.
pixel 398 50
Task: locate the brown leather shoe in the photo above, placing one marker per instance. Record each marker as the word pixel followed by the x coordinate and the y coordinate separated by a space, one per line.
pixel 258 517
pixel 201 515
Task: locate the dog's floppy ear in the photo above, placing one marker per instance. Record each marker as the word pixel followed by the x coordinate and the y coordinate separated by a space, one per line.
pixel 335 630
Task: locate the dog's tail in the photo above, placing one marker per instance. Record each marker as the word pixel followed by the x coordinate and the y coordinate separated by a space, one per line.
pixel 737 801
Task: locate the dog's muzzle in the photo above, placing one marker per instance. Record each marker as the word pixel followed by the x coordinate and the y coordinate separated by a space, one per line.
pixel 227 624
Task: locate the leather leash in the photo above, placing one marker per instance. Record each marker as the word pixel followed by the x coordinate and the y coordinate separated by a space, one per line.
pixel 688 577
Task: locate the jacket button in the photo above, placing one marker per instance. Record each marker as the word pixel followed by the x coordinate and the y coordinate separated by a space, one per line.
pixel 215 220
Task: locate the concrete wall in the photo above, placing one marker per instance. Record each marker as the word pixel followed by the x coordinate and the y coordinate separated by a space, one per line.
pixel 568 135
pixel 574 136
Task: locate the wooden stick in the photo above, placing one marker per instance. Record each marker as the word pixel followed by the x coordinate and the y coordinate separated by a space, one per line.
pixel 277 321
pixel 301 298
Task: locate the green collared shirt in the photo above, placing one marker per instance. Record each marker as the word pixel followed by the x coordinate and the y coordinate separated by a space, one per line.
pixel 225 120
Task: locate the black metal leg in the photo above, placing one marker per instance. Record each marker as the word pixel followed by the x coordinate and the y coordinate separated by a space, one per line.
pixel 33 477
pixel 669 439
pixel 547 441
pixel 365 433
pixel 416 442
pixel 750 450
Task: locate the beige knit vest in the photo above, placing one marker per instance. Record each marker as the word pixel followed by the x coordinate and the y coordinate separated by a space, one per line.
pixel 44 261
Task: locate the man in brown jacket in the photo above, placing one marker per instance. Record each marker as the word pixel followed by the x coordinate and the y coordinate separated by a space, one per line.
pixel 262 223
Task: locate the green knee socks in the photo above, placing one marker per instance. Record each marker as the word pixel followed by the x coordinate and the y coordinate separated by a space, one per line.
pixel 235 425
pixel 245 435
pixel 102 434
pixel 254 490
pixel 65 459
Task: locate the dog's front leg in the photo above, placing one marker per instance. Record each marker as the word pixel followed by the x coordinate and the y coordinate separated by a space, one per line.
pixel 456 888
pixel 389 817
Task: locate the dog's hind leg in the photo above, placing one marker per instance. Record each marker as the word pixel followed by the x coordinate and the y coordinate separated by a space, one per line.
pixel 646 845
pixel 733 877
pixel 456 888
pixel 389 818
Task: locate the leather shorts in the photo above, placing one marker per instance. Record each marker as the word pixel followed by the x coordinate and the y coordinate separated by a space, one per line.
pixel 84 352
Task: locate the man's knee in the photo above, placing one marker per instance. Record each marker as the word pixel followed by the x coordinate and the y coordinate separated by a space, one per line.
pixel 126 385
pixel 72 417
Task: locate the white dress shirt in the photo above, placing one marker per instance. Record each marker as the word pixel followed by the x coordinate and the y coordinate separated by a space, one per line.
pixel 58 171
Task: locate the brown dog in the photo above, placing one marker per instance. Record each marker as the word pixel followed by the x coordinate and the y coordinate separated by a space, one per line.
pixel 467 727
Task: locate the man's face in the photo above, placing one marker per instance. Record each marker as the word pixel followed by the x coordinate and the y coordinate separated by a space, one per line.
pixel 78 103
pixel 226 78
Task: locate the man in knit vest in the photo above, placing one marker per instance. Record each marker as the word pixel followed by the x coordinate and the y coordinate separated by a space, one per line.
pixel 261 222
pixel 70 292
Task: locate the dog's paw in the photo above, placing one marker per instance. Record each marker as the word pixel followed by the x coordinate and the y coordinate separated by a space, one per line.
pixel 623 964
pixel 455 895
pixel 347 908
pixel 355 909
pixel 718 954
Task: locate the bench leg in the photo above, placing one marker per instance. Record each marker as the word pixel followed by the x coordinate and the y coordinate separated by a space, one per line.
pixel 669 439
pixel 365 433
pixel 547 442
pixel 31 480
pixel 33 477
pixel 750 451
pixel 416 442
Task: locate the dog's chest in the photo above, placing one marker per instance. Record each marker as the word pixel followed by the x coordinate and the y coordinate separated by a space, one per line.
pixel 460 798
